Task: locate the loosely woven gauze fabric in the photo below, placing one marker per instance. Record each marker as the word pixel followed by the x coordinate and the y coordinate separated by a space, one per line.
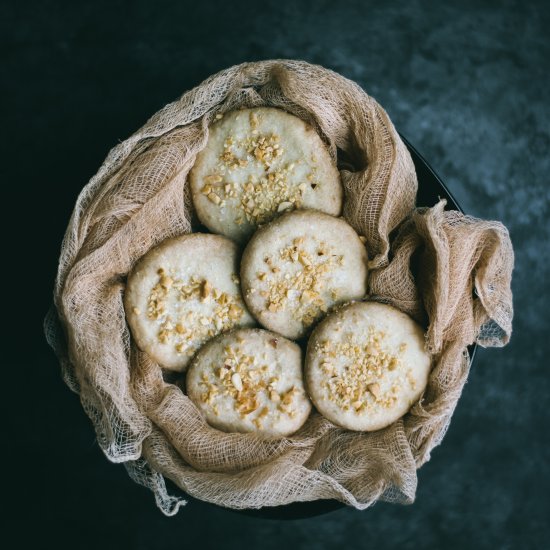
pixel 449 271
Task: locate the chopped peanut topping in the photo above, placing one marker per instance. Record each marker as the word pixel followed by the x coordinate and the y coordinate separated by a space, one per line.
pixel 250 385
pixel 305 291
pixel 358 374
pixel 187 333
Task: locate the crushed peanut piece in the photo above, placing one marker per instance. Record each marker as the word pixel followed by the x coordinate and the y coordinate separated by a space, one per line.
pixel 371 349
pixel 222 372
pixel 213 179
pixel 374 389
pixel 235 311
pixel 237 382
pixel 206 288
pixel 212 197
pixel 285 205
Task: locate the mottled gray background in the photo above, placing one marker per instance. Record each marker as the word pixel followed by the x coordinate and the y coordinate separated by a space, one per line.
pixel 467 83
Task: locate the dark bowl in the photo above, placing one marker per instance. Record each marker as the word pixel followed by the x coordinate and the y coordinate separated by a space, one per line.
pixel 430 190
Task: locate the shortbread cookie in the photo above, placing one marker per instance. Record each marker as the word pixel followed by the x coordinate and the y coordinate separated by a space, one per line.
pixel 250 380
pixel 298 266
pixel 182 293
pixel 258 163
pixel 366 366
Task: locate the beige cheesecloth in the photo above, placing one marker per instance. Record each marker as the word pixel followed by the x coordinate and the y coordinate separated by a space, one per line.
pixel 449 271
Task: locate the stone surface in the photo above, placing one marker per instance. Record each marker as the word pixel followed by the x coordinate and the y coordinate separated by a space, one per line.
pixel 467 83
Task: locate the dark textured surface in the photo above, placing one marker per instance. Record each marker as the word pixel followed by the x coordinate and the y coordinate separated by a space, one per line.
pixel 466 83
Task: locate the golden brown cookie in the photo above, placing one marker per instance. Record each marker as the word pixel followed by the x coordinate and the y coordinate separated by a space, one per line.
pixel 296 268
pixel 182 293
pixel 258 163
pixel 250 380
pixel 366 366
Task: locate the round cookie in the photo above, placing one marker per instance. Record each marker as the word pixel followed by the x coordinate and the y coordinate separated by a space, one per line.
pixel 298 266
pixel 366 366
pixel 250 380
pixel 175 300
pixel 258 163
